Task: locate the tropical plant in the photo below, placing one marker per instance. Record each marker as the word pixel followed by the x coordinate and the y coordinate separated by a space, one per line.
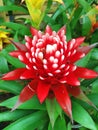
pixel 51 75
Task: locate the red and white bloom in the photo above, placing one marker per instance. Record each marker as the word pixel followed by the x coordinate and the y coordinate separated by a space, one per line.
pixel 50 64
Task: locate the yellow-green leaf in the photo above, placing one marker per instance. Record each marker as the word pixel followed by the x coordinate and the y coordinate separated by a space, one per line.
pixel 60 1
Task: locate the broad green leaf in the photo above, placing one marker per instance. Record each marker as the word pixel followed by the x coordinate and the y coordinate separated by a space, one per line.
pixel 68 3
pixel 95 86
pixel 97 125
pixel 94 98
pixel 53 109
pixel 11 116
pixel 22 29
pixel 13 8
pixel 49 20
pixel 60 124
pixel 86 26
pixel 81 116
pixel 10 48
pixel 84 4
pixel 15 62
pixel 76 17
pixel 32 121
pixel 3 65
pixel 30 104
pixel 94 54
pixel 94 36
pixel 11 86
pixel 82 128
pixel 69 126
pixel 59 11
pixel 84 61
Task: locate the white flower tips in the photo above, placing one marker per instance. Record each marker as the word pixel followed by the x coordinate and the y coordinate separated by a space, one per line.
pixel 57 53
pixel 20 57
pixel 40 55
pixel 51 48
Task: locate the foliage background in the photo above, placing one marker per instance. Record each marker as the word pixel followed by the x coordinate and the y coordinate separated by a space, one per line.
pixel 81 19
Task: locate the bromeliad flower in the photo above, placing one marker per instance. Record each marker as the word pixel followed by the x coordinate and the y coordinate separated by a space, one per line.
pixel 50 64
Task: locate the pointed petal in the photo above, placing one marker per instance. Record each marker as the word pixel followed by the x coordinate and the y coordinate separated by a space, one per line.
pixel 19 46
pixel 79 41
pixel 18 103
pixel 84 98
pixel 48 30
pixel 85 73
pixel 63 99
pixel 22 57
pixel 86 49
pixel 77 56
pixel 78 93
pixel 62 31
pixel 28 43
pixel 73 90
pixel 72 80
pixel 70 44
pixel 34 31
pixel 28 39
pixel 13 75
pixel 16 53
pixel 42 90
pixel 28 92
pixel 28 74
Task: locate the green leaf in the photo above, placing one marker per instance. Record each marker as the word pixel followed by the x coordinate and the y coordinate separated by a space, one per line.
pixel 3 65
pixel 49 20
pixel 68 3
pixel 8 115
pixel 76 17
pixel 94 54
pixel 94 98
pixel 22 29
pixel 59 11
pixel 95 86
pixel 81 116
pixel 30 104
pixel 82 128
pixel 32 121
pixel 15 62
pixel 84 4
pixel 68 32
pixel 59 124
pixel 84 61
pixel 11 86
pixel 69 126
pixel 53 109
pixel 86 26
pixel 94 36
pixel 13 8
